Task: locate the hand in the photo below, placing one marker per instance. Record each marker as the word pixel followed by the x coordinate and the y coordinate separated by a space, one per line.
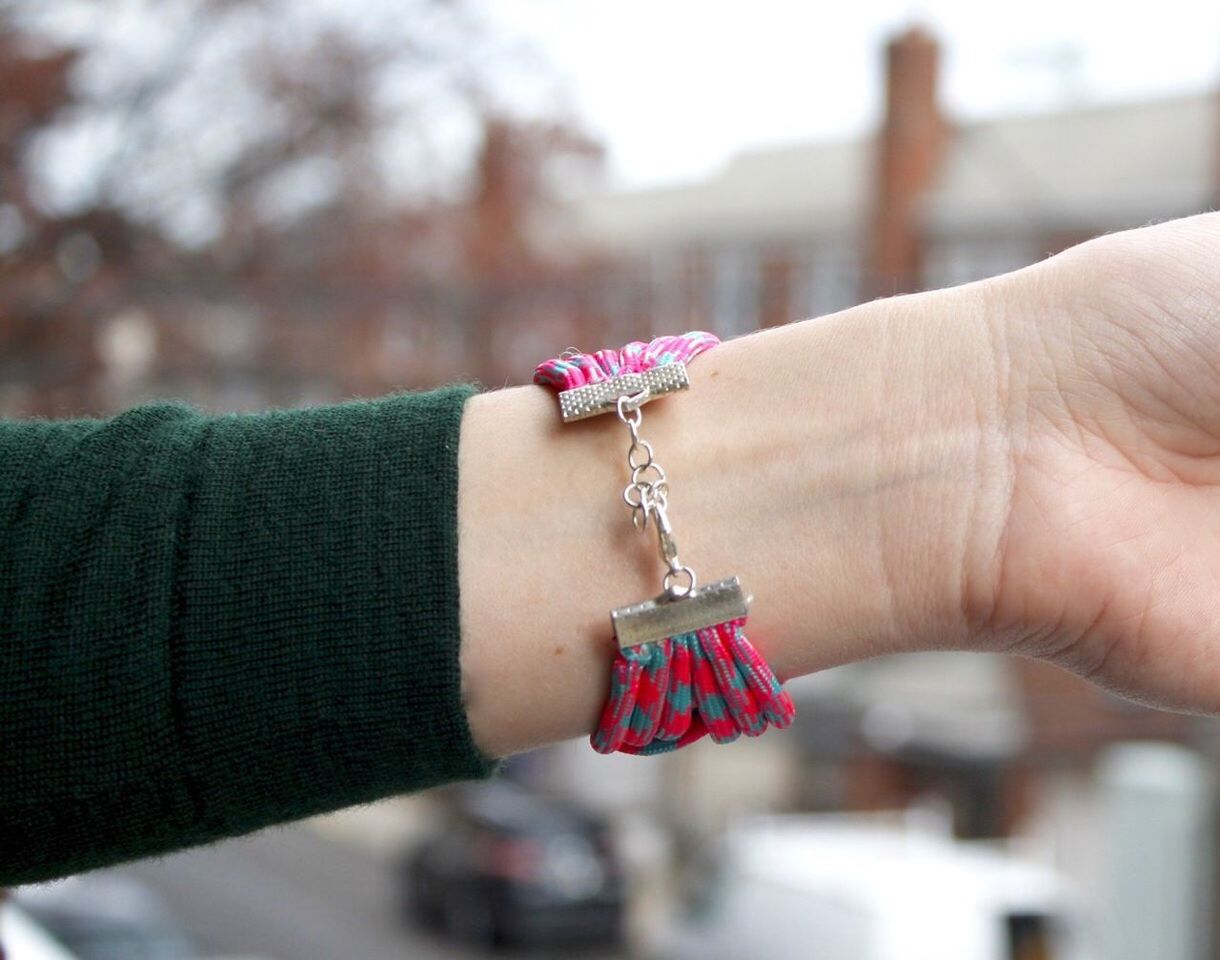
pixel 1108 558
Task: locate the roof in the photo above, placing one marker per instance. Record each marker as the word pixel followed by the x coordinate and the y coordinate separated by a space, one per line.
pixel 794 190
pixel 1095 167
pixel 1102 166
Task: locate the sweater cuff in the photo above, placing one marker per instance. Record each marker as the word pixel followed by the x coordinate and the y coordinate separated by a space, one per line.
pixel 316 655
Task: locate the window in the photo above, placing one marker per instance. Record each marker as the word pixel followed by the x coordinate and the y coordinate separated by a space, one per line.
pixel 832 281
pixel 963 259
pixel 734 290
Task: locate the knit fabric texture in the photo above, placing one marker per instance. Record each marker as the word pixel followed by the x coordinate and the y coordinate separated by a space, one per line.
pixel 211 624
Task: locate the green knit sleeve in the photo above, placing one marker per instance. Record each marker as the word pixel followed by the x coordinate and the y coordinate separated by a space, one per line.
pixel 210 624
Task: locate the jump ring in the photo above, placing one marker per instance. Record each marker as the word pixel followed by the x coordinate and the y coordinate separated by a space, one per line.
pixel 638 472
pixel 641 445
pixel 670 582
pixel 636 399
pixel 635 504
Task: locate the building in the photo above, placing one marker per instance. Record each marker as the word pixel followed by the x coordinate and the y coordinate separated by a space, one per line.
pixel 922 203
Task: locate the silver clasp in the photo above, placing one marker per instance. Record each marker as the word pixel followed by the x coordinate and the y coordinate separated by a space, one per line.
pixel 666 617
pixel 669 553
pixel 595 398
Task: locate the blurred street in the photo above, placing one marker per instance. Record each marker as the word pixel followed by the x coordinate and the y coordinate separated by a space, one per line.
pixel 292 894
pixel 288 894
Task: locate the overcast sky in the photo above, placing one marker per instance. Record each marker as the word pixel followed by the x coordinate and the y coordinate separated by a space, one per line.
pixel 675 87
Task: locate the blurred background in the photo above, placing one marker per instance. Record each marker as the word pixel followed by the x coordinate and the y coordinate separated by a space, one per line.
pixel 266 203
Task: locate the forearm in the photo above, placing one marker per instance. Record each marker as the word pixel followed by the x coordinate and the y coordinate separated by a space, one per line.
pixel 211 624
pixel 846 468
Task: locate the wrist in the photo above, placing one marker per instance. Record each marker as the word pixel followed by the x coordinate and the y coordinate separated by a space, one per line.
pixel 832 464
pixel 853 471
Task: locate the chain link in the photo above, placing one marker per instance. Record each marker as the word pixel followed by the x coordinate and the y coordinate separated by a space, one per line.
pixel 648 494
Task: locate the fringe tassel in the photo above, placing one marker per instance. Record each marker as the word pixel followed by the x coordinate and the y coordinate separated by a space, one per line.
pixel 668 693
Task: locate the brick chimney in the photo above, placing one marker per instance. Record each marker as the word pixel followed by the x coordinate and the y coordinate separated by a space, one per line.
pixel 910 146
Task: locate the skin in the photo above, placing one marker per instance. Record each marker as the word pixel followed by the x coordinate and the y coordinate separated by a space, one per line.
pixel 1026 464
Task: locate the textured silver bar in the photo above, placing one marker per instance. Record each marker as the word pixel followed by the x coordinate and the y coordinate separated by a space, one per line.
pixel 588 401
pixel 662 617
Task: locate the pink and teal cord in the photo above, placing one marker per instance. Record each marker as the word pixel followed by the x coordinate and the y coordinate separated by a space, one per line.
pixel 668 693
pixel 582 369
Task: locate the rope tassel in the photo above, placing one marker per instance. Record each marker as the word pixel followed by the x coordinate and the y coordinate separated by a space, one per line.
pixel 667 693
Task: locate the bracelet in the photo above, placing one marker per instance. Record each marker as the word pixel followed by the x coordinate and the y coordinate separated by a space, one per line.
pixel 684 667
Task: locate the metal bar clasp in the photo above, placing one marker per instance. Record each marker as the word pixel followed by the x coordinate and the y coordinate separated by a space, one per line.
pixel 665 616
pixel 594 398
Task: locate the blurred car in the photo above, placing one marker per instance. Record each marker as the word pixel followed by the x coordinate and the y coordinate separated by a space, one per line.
pixel 102 916
pixel 794 887
pixel 510 868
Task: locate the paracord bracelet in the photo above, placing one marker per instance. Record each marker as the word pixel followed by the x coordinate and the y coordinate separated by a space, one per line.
pixel 684 667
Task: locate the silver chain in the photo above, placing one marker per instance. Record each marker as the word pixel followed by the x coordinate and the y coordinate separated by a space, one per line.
pixel 648 493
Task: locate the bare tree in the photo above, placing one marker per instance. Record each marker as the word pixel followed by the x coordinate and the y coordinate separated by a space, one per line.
pixel 276 153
